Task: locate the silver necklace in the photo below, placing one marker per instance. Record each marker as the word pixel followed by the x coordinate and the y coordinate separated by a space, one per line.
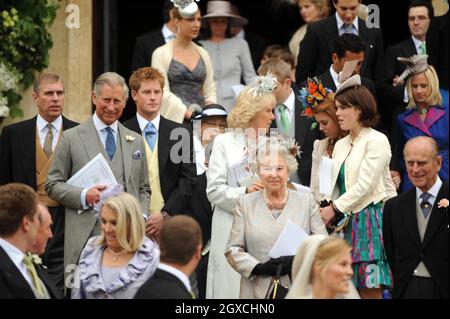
pixel 116 255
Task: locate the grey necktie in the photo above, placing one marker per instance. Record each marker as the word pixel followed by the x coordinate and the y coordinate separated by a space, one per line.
pixel 48 150
pixel 425 204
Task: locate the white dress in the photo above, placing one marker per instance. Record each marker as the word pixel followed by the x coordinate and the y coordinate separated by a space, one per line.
pixel 223 282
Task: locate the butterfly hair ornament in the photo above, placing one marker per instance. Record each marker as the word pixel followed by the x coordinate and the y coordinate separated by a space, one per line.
pixel 312 95
pixel 186 8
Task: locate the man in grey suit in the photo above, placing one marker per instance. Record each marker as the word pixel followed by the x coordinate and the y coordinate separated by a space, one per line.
pixel 122 148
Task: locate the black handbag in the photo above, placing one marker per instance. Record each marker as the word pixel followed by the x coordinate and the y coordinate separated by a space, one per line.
pixel 276 289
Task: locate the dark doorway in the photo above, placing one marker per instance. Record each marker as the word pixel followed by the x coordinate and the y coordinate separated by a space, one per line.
pixel 118 23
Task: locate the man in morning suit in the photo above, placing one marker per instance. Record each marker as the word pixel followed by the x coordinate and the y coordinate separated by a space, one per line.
pixel 180 242
pixel 20 276
pixel 26 153
pixel 150 41
pixel 415 227
pixel 171 174
pixel 122 149
pixel 289 119
pixel 392 93
pixel 317 45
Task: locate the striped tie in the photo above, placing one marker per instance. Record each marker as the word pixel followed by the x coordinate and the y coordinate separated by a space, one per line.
pixel 48 143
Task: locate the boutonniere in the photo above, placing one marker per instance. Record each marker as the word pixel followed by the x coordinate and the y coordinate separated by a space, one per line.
pixel 37 261
pixel 130 138
pixel 137 155
pixel 443 203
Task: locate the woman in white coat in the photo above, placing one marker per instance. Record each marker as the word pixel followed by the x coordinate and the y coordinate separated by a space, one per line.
pixel 229 178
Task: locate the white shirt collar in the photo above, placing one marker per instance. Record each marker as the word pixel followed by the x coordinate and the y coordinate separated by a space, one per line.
pixel 417 43
pixel 99 125
pixel 42 124
pixel 143 122
pixel 166 33
pixel 290 102
pixel 340 22
pixel 14 253
pixel 177 273
pixel 199 156
pixel 334 76
pixel 434 191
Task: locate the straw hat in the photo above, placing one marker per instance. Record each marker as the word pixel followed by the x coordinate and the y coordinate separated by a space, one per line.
pixel 223 9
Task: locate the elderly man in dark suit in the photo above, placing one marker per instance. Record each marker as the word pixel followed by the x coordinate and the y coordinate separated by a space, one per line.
pixel 415 227
pixel 21 276
pixel 317 45
pixel 150 41
pixel 168 147
pixel 181 244
pixel 121 148
pixel 289 119
pixel 26 153
pixel 391 91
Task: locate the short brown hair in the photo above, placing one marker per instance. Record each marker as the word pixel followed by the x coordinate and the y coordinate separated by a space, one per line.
pixel 145 74
pixel 362 99
pixel 179 238
pixel 278 67
pixel 46 77
pixel 16 202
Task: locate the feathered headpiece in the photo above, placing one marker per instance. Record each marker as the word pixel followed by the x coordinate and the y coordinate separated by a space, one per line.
pixel 186 8
pixel 263 85
pixel 414 65
pixel 109 192
pixel 312 95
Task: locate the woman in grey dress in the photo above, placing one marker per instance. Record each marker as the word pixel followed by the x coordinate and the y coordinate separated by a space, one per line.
pixel 230 57
pixel 186 67
pixel 117 263
pixel 261 216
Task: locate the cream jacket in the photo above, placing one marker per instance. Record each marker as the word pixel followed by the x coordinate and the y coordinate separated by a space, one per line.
pixel 367 176
pixel 172 107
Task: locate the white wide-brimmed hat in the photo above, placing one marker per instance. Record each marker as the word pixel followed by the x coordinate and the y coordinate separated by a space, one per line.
pixel 223 9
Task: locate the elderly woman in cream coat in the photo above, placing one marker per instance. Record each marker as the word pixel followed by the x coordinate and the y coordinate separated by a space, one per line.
pixel 261 217
pixel 183 50
pixel 252 114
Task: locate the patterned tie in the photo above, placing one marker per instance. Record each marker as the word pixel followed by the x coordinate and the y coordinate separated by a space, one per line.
pixel 150 135
pixel 27 261
pixel 422 48
pixel 425 204
pixel 110 144
pixel 48 150
pixel 284 118
pixel 348 28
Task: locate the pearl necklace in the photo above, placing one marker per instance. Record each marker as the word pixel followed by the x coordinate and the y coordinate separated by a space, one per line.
pixel 116 255
pixel 277 206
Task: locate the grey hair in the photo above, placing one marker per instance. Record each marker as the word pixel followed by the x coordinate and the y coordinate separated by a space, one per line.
pixel 272 149
pixel 112 79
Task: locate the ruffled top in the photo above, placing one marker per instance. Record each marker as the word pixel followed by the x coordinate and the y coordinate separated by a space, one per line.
pixel 143 263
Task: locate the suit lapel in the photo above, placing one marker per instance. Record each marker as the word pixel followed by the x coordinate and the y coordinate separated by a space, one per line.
pixel 433 115
pixel 13 277
pixel 127 150
pixel 414 120
pixel 410 48
pixel 28 136
pixel 88 132
pixel 437 215
pixel 327 81
pixel 164 144
pixel 410 217
pixel 301 123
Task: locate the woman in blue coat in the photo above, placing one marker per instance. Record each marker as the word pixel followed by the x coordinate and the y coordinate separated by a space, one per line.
pixel 427 115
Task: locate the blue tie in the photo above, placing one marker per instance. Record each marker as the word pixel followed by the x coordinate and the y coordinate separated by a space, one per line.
pixel 425 204
pixel 110 143
pixel 348 28
pixel 150 135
